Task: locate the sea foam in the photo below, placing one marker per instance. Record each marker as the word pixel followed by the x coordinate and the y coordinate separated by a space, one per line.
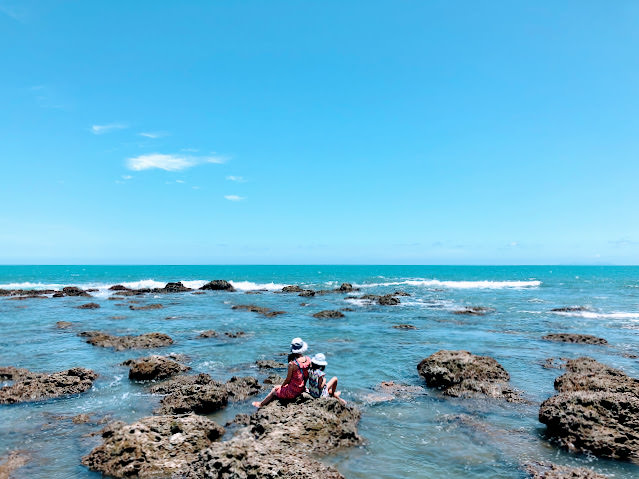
pixel 435 283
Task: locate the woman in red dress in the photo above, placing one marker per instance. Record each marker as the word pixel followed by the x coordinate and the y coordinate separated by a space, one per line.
pixel 295 382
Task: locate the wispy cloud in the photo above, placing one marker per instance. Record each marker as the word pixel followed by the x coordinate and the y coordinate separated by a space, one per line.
pixel 624 243
pixel 234 198
pixel 127 177
pixel 179 181
pixel 169 162
pixel 153 134
pixel 13 10
pixel 238 179
pixel 101 129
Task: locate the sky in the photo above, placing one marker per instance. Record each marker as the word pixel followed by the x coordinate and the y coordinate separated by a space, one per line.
pixel 333 132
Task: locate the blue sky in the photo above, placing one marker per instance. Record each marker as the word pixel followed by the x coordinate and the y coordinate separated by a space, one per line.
pixel 429 132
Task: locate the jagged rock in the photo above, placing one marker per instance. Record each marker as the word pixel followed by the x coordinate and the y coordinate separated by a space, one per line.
pixel 273 379
pixel 11 461
pixel 574 338
pixel 292 289
pixel 346 288
pixel 474 311
pixel 257 309
pixel 244 458
pixel 89 306
pixel 554 363
pixel 240 388
pixel 239 420
pixel 307 293
pixel 63 324
pixel 208 334
pixel 152 447
pixel 329 314
pixel 548 470
pixel 32 386
pixel 569 309
pixel 58 294
pixel 119 287
pixel 119 343
pixel 74 291
pixel 233 335
pixel 81 418
pixel 146 307
pixel 218 285
pixel 404 326
pixel 596 411
pixel 175 288
pixel 270 364
pixel 199 394
pixel 153 367
pixel 401 293
pixel 388 300
pixel 462 374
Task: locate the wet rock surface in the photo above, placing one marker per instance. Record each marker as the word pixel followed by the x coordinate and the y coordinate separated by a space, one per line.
pixel 596 411
pixel 89 306
pixel 257 309
pixel 270 364
pixel 328 314
pixel 153 367
pixel 569 309
pixel 474 311
pixel 63 324
pixel 404 326
pixel 208 334
pixel 462 374
pixel 547 470
pixel 74 291
pixel 146 307
pixel 175 288
pixel 574 338
pixel 398 390
pixel 119 343
pixel 292 289
pixel 240 388
pixel 218 285
pixel 152 447
pixel 388 300
pixel 33 386
pixel 12 461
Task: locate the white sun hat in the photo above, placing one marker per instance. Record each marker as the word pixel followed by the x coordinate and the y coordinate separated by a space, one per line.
pixel 298 346
pixel 319 359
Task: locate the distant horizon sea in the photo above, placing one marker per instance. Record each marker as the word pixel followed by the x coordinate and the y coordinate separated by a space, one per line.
pixel 425 435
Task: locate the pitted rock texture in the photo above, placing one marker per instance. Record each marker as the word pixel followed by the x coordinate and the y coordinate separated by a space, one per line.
pixel 32 386
pixel 548 470
pixel 462 374
pixel 153 447
pixel 153 367
pixel 119 343
pixel 574 338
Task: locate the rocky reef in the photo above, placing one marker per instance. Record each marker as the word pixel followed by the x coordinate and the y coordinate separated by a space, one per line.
pixel 120 343
pixel 574 338
pixel 153 367
pixel 33 386
pixel 462 374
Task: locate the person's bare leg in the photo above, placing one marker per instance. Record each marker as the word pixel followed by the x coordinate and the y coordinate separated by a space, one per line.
pixel 331 388
pixel 267 399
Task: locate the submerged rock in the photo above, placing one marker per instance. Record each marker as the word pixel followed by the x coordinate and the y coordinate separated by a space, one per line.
pixel 474 310
pixel 152 447
pixel 548 470
pixel 307 293
pixel 292 289
pixel 89 306
pixel 329 314
pixel 234 334
pixel 208 334
pixel 257 309
pixel 63 324
pixel 462 374
pixel 218 285
pixel 119 343
pixel 153 367
pixel 404 326
pixel 398 390
pixel 11 461
pixel 569 309
pixel 146 307
pixel 32 386
pixel 240 388
pixel 388 300
pixel 574 338
pixel 119 287
pixel 596 411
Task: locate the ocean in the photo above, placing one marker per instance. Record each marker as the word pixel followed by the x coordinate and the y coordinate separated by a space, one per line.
pixel 422 436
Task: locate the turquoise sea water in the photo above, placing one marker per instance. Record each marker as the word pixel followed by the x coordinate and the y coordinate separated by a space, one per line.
pixel 419 437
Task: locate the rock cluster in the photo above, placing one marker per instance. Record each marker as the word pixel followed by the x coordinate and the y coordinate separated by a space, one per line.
pixel 12 461
pixel 120 343
pixel 574 338
pixel 146 307
pixel 547 470
pixel 218 285
pixel 257 309
pixel 596 411
pixel 462 374
pixel 153 367
pixel 89 306
pixel 32 386
pixel 329 314
pixel 152 447
pixel 474 310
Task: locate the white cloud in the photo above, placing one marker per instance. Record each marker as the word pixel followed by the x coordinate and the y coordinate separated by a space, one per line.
pixel 153 134
pixel 101 129
pixel 127 177
pixel 169 162
pixel 195 187
pixel 239 179
pixel 234 198
pixel 179 181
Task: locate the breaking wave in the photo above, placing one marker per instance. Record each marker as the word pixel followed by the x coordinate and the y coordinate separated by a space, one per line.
pixel 435 283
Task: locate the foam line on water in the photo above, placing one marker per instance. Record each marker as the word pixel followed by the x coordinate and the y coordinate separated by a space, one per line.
pixel 435 283
pixel 593 315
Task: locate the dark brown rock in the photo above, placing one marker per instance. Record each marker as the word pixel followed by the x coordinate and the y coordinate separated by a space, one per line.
pixel 32 386
pixel 270 364
pixel 346 288
pixel 257 309
pixel 233 335
pixel 388 300
pixel 153 367
pixel 218 285
pixel 152 447
pixel 548 470
pixel 208 334
pixel 462 374
pixel 292 289
pixel 89 306
pixel 175 288
pixel 185 394
pixel 119 287
pixel 474 311
pixel 329 314
pixel 240 388
pixel 307 293
pixel 575 338
pixel 569 309
pixel 74 291
pixel 146 307
pixel 119 343
pixel 404 326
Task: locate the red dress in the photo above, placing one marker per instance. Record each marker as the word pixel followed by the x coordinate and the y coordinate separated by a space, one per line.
pixel 297 384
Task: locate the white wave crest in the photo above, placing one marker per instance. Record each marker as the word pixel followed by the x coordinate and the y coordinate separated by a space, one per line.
pixel 28 285
pixel 251 286
pixel 435 283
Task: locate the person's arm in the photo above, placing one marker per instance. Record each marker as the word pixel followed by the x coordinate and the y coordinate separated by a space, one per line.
pixel 322 382
pixel 289 376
